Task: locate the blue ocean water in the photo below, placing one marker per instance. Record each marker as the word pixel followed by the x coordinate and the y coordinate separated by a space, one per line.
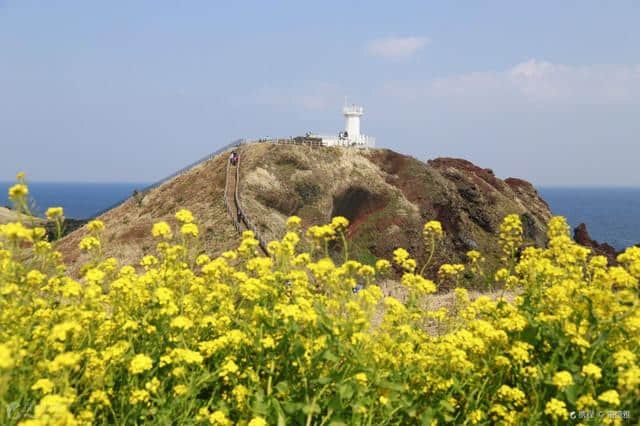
pixel 611 214
pixel 79 200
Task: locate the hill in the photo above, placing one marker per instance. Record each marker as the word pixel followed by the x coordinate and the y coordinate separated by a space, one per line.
pixel 8 215
pixel 386 196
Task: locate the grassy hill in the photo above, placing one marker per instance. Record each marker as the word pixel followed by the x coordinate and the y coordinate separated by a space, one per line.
pixel 386 196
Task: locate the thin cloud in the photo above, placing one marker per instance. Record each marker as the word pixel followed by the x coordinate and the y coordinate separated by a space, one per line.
pixel 397 47
pixel 534 81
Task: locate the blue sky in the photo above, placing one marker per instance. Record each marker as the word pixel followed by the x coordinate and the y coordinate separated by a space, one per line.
pixel 131 91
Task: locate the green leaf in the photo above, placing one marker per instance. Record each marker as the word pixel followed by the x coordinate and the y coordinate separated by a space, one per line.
pixel 391 385
pixel 282 387
pixel 330 356
pixel 346 391
pixel 324 380
pixel 291 407
pixel 572 394
pixel 427 417
pixel 445 404
pixel 298 349
pixel 279 411
pixel 529 335
pixel 312 408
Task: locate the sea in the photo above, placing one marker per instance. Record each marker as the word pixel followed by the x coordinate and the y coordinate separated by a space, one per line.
pixel 79 200
pixel 611 214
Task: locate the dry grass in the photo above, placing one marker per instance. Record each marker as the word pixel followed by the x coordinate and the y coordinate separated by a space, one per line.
pixel 128 226
pixel 272 173
pixel 262 179
pixel 437 301
pixel 7 216
pixel 445 299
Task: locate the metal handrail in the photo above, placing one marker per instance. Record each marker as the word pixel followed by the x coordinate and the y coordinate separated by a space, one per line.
pixel 249 224
pixel 175 174
pixel 235 143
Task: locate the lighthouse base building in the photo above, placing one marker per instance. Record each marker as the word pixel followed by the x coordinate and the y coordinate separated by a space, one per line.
pixel 351 136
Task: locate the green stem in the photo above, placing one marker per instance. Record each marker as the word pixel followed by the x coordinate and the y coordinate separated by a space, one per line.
pixel 433 249
pixel 344 243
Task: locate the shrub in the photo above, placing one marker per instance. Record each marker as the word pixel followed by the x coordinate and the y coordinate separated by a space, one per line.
pixel 295 338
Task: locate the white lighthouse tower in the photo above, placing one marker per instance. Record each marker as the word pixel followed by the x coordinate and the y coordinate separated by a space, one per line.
pixel 351 135
pixel 352 116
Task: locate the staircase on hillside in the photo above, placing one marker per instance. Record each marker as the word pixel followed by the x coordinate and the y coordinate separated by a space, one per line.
pixel 230 196
pixel 232 202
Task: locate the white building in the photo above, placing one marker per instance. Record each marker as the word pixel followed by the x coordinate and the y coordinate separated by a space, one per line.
pixel 351 135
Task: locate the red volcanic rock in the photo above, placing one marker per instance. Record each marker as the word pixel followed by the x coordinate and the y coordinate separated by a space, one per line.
pixel 582 237
pixel 485 175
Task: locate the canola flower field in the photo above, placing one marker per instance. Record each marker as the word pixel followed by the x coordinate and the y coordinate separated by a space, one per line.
pixel 297 338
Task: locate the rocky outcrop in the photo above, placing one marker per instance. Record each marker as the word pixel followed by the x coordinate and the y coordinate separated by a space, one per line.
pixel 582 237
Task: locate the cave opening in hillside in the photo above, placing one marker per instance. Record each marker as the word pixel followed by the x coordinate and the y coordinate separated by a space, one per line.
pixel 356 203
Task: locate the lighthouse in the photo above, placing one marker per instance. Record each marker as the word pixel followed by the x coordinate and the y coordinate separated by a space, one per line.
pixel 352 116
pixel 351 135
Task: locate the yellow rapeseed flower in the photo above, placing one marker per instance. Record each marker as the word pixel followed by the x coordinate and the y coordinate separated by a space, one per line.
pixel 293 222
pixel 162 230
pixel 257 421
pixel 339 223
pixel 18 191
pixel 140 363
pixel 432 228
pixel 95 226
pixel 180 390
pixel 54 213
pixel 556 409
pixel 218 418
pixel 382 265
pixel 181 322
pixel 474 255
pixel 139 396
pixel 592 370
pixel 184 216
pixel 562 379
pixel 189 229
pixel 89 243
pixel 45 385
pixel 361 378
pixel 610 397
